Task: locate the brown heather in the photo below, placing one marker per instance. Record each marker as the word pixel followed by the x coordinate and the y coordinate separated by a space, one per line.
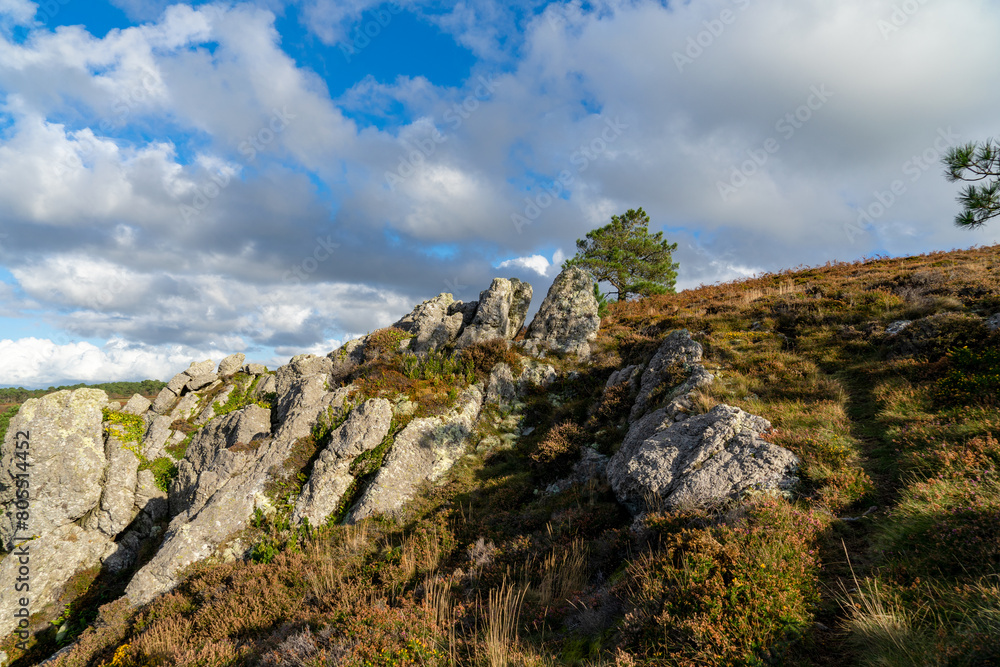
pixel 887 554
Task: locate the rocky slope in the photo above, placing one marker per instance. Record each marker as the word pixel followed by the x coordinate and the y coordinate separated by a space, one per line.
pixel 93 493
pixel 675 479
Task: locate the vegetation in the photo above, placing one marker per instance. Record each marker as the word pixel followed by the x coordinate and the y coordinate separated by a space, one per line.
pixel 130 429
pixel 976 163
pixel 626 255
pixel 114 389
pixel 886 555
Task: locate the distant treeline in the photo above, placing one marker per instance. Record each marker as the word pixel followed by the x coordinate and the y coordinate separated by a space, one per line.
pixel 146 387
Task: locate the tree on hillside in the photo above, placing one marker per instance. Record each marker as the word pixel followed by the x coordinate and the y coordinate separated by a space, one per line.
pixel 974 163
pixel 626 255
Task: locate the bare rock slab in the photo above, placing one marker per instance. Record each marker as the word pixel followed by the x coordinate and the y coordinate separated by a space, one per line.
pixel 422 452
pixel 53 559
pixel 364 430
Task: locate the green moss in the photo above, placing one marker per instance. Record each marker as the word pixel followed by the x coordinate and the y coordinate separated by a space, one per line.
pixel 164 471
pixel 242 396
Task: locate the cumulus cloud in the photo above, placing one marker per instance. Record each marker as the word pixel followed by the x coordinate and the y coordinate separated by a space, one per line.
pixel 536 263
pixel 187 182
pixel 35 362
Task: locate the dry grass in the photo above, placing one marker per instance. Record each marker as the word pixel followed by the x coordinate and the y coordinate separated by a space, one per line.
pixel 564 572
pixel 503 614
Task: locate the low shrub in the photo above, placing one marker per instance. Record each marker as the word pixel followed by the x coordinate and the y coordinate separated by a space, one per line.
pixel 735 592
pixel 560 447
pixel 487 354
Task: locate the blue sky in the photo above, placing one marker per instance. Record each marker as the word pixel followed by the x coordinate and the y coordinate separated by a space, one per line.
pixel 181 181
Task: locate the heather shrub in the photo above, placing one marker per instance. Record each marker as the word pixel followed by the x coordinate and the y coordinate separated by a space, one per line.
pixel 560 447
pixel 733 592
pixel 384 341
pixel 487 354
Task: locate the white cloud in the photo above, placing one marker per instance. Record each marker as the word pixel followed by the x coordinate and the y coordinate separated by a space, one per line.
pixel 17 12
pixel 36 362
pixel 535 263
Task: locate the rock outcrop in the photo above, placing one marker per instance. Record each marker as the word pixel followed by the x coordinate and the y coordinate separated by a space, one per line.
pixel 567 321
pixel 51 560
pixel 700 461
pixel 444 322
pixel 225 474
pixel 434 323
pixel 422 452
pixel 676 365
pixel 69 474
pixel 66 452
pixel 501 312
pixel 364 429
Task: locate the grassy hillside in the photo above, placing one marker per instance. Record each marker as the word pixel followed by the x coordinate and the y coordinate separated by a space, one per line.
pixel 887 555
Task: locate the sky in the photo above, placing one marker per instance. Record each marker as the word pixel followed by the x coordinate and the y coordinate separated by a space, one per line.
pixel 274 177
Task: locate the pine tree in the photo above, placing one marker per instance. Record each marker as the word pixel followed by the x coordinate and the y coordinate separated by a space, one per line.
pixel 974 163
pixel 626 255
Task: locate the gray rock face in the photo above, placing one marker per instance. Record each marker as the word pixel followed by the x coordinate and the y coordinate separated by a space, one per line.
pixel 432 324
pixel 177 382
pixel 567 320
pixel 228 481
pixel 423 451
pixel 165 400
pixel 67 457
pixel 630 374
pixel 700 461
pixel 116 508
pixel 266 385
pixel 157 435
pixel 501 312
pixel 993 322
pixel 200 368
pixel 535 374
pixel 501 389
pixel 255 369
pixel 208 412
pixel 364 429
pixel 137 405
pixel 218 452
pixel 185 407
pixel 678 352
pixel 231 364
pixel 200 381
pixel 54 558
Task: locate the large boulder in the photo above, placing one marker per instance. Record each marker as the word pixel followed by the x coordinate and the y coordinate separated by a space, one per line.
pixel 363 430
pixel 700 461
pixel 433 324
pixel 501 312
pixel 231 364
pixel 65 449
pixel 567 320
pixel 422 452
